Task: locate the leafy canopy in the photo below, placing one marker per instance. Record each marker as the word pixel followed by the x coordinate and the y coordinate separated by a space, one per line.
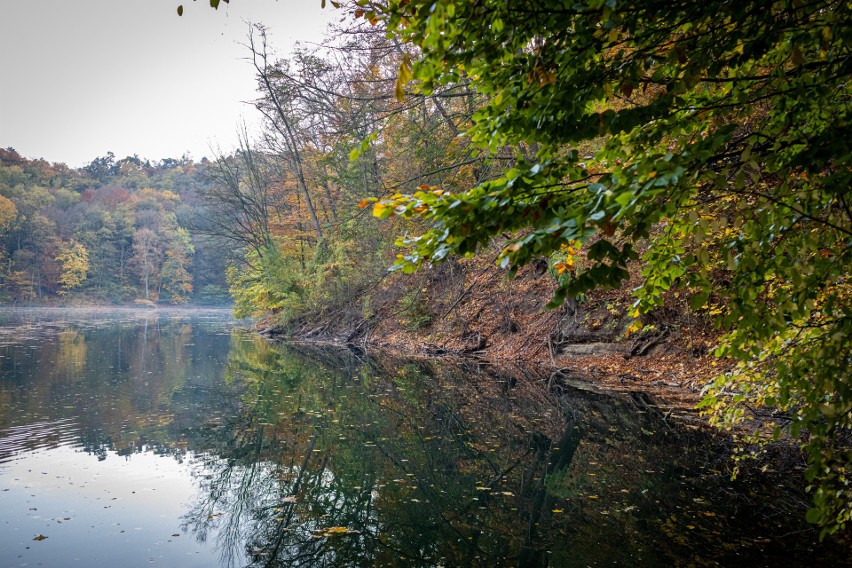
pixel 711 139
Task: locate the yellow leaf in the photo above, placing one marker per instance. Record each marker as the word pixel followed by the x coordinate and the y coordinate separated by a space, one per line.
pixel 403 78
pixel 333 531
pixel 337 530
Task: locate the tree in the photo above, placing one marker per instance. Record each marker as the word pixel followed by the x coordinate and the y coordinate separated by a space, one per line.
pixel 710 140
pixel 276 108
pixel 240 201
pixel 73 259
pixel 175 278
pixel 8 214
pixel 147 257
pixel 102 167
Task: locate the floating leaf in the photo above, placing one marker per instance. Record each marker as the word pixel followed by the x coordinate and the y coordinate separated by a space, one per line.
pixel 338 530
pixel 40 537
pixel 334 531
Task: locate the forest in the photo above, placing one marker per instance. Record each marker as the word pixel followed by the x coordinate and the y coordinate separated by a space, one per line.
pixel 115 231
pixel 695 157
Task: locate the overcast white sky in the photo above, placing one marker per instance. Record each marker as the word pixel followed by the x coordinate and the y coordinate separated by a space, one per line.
pixel 79 79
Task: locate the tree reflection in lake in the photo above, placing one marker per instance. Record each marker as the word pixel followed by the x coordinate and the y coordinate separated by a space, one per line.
pixel 302 456
pixel 338 459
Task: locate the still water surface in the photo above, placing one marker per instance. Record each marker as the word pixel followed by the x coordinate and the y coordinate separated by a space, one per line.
pixel 180 438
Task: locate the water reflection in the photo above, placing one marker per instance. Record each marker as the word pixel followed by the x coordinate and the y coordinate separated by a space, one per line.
pixel 296 456
pixel 387 462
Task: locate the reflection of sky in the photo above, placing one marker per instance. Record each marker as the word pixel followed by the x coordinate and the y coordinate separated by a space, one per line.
pixel 121 511
pixel 84 378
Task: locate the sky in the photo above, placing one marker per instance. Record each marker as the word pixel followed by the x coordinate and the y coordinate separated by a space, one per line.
pixel 80 79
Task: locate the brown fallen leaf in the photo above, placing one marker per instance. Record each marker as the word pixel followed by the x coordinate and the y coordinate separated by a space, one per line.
pixel 40 537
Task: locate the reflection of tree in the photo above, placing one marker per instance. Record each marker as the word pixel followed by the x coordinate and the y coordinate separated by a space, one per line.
pixel 308 457
pixel 123 380
pixel 333 460
pixel 404 468
pixel 71 353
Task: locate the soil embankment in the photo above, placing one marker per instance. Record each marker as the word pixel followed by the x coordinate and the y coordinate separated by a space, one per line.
pixel 470 308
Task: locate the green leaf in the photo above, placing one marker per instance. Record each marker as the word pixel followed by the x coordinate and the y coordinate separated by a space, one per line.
pixel 813 516
pixel 697 301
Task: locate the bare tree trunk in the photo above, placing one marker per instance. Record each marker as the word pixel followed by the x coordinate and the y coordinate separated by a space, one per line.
pixel 283 124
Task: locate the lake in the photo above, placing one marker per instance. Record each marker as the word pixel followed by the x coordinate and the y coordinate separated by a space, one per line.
pixel 181 438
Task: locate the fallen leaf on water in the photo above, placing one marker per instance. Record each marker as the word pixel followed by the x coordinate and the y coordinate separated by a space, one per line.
pixel 331 531
pixel 40 537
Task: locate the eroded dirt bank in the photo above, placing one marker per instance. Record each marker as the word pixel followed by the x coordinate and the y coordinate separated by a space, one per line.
pixel 470 308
